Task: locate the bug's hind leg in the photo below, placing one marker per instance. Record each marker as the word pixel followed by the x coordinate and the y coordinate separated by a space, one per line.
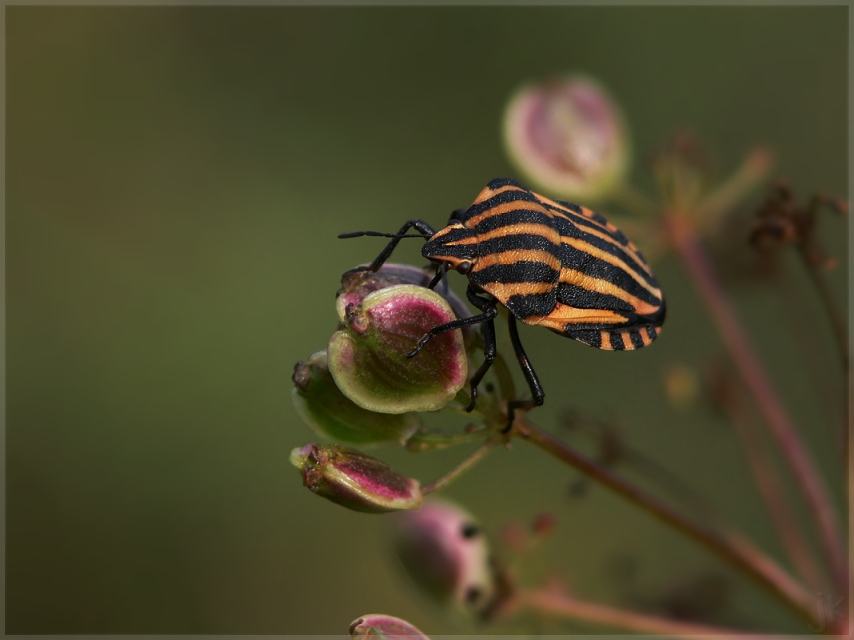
pixel 490 350
pixel 530 376
pixel 420 226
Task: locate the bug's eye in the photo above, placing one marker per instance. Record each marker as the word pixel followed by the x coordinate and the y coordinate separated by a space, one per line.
pixel 456 215
pixel 464 267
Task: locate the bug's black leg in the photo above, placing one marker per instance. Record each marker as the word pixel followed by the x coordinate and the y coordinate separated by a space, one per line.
pixel 528 371
pixel 420 226
pixel 489 350
pixel 441 270
pixel 438 330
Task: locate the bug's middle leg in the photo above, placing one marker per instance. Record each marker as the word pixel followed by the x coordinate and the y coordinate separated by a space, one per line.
pixel 537 393
pixel 490 350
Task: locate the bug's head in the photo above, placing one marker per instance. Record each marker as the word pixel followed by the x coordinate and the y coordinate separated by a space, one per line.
pixel 454 246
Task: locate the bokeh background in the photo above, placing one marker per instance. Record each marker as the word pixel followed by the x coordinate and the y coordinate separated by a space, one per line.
pixel 176 178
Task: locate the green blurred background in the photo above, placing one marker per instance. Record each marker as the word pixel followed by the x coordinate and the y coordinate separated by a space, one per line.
pixel 176 178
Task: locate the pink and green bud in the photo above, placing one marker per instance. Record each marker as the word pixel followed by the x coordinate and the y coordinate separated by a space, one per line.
pixel 568 138
pixel 368 356
pixel 446 554
pixel 378 626
pixel 354 480
pixel 331 414
pixel 355 285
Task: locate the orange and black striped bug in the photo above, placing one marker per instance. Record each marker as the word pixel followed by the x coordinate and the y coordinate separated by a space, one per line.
pixel 551 263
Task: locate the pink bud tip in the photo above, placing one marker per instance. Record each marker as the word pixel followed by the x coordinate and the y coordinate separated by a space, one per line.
pixel 355 480
pixel 380 626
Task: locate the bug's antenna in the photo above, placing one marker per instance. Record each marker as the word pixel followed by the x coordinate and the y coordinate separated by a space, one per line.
pixel 378 234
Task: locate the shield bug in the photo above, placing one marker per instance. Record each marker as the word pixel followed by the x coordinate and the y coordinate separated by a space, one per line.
pixel 551 263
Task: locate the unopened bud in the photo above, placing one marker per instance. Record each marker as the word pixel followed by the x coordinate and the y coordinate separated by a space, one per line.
pixel 319 402
pixel 354 480
pixel 378 626
pixel 446 554
pixel 568 137
pixel 368 357
pixel 682 385
pixel 356 285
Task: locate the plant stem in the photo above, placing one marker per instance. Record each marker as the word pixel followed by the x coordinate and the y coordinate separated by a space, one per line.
pixel 773 495
pixel 549 601
pixel 811 255
pixel 837 321
pixel 478 455
pixel 730 546
pixel 752 374
pixel 820 377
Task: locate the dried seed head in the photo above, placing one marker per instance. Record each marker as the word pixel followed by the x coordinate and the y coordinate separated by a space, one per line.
pixel 354 480
pixel 444 551
pixel 368 357
pixel 331 414
pixel 378 626
pixel 568 137
pixel 684 170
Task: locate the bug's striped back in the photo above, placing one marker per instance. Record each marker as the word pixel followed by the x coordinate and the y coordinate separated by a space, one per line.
pixel 562 266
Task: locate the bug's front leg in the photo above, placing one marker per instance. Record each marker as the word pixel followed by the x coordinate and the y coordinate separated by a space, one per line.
pixel 488 314
pixel 530 376
pixel 420 226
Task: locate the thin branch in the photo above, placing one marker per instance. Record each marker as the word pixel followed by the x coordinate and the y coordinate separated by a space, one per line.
pixel 551 602
pixel 820 377
pixel 730 546
pixel 752 374
pixel 648 468
pixel 834 313
pixel 478 455
pixel 788 528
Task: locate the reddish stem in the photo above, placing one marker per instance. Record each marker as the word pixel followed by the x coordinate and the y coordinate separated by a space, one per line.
pixel 752 374
pixel 551 602
pixel 772 491
pixel 728 545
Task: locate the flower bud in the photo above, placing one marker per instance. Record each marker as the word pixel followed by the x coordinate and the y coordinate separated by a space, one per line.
pixel 354 480
pixel 568 137
pixel 368 357
pixel 383 627
pixel 330 413
pixel 446 554
pixel 355 285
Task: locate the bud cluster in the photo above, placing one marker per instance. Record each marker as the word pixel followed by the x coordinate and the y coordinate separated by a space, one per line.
pixel 365 389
